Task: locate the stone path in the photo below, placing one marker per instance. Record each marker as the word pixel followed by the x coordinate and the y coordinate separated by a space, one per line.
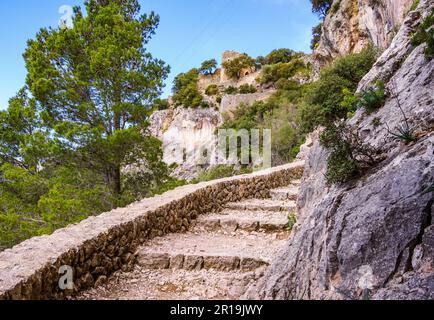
pixel 218 259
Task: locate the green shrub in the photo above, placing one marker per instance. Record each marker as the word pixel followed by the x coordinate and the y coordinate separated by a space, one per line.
pixel 376 122
pixel 185 89
pixel 275 72
pixel 208 67
pixel 349 102
pixel 316 36
pixel 349 156
pixel 292 221
pixel 414 5
pixel 321 7
pixel 219 172
pixel 404 131
pixel 206 104
pixel 247 88
pixel 168 185
pixel 234 67
pixel 335 7
pixel 323 101
pixel 278 115
pixel 231 90
pixel 373 98
pixel 280 56
pixel 425 34
pixel 212 90
pixel 161 104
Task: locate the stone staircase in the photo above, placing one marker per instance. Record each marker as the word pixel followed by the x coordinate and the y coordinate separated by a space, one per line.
pixel 218 258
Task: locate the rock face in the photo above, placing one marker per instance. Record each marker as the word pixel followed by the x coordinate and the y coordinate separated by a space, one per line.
pixel 378 229
pixel 352 24
pixel 231 102
pixel 184 132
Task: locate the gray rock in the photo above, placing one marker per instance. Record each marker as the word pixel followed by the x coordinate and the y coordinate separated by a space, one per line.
pixel 378 227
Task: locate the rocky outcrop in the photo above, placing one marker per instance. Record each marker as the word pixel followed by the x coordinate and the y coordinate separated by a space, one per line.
pixel 231 102
pixel 102 245
pixel 353 24
pixel 185 132
pixel 378 229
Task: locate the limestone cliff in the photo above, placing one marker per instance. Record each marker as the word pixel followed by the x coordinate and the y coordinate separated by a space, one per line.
pixel 184 132
pixel 379 228
pixel 352 24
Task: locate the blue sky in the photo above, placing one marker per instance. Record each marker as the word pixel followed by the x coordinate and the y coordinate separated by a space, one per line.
pixel 190 31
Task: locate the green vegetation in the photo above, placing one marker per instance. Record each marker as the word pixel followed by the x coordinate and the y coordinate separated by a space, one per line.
pixel 231 90
pixel 321 7
pixel 414 5
pixel 292 221
pixel 425 34
pixel 161 104
pixel 212 90
pixel 219 172
pixel 247 88
pixel 373 98
pixel 280 56
pixel 275 72
pixel 404 132
pixel 349 156
pixel 335 7
pixel 208 67
pixel 323 102
pixel 316 36
pixel 67 136
pixel 185 90
pixel 235 66
pixel 277 114
pixel 376 122
pixel 296 110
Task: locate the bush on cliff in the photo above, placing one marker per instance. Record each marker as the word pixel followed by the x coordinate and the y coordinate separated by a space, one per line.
pixel 425 34
pixel 185 89
pixel 322 101
pixel 349 156
pixel 234 67
pixel 246 89
pixel 276 114
pixel 280 56
pixel 275 72
pixel 212 90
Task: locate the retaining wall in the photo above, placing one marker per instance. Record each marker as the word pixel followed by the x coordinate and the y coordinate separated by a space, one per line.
pixel 101 245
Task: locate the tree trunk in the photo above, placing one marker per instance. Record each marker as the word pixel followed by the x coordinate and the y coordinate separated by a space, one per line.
pixel 114 179
pixel 117 181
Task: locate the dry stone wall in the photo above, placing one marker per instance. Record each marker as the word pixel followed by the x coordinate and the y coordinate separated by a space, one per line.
pixel 101 245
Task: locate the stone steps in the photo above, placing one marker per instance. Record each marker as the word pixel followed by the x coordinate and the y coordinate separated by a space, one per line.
pixel 284 194
pixel 209 251
pixel 221 255
pixel 230 221
pixel 262 205
pixel 146 284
